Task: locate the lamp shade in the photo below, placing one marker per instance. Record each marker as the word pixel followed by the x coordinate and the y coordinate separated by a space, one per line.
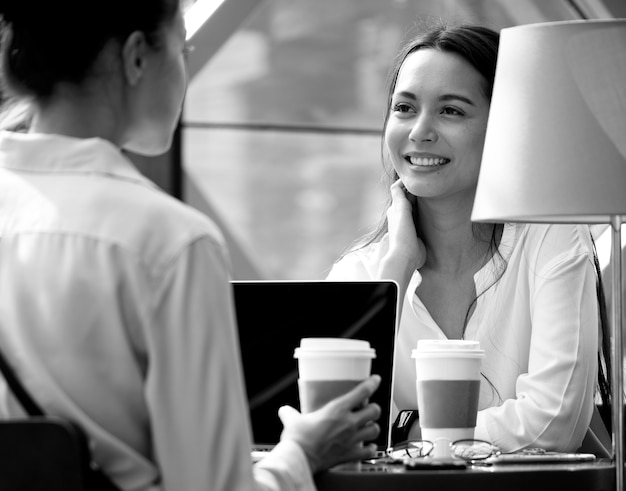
pixel 555 148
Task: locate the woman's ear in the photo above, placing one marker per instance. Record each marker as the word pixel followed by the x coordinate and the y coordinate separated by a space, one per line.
pixel 134 57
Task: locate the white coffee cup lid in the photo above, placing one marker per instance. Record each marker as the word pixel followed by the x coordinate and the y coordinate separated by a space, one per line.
pixel 339 346
pixel 446 344
pixel 434 346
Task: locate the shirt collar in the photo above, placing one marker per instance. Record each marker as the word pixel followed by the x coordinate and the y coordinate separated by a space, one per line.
pixel 35 152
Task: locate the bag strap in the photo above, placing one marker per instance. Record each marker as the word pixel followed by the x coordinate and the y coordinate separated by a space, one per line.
pixel 22 395
pixel 96 479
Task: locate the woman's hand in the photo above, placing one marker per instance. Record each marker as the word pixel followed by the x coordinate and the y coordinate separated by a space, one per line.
pixel 407 252
pixel 335 433
pixel 405 247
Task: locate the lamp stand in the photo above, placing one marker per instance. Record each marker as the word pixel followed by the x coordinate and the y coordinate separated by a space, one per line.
pixel 617 374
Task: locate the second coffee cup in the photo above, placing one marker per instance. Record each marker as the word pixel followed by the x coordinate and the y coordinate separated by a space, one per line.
pixel 330 367
pixel 448 387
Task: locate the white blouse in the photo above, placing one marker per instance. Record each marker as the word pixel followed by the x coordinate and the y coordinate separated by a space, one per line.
pixel 536 317
pixel 116 311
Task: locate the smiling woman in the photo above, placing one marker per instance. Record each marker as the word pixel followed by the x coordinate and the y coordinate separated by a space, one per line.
pixel 526 293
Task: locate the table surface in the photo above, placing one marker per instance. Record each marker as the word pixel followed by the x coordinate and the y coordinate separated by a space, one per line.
pixel 585 476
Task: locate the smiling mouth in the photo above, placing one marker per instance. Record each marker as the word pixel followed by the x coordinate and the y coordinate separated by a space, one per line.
pixel 422 162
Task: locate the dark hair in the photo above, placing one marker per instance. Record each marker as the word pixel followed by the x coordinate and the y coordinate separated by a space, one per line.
pixel 45 42
pixel 604 351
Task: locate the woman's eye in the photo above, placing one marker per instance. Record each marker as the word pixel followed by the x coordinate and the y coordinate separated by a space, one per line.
pixel 451 111
pixel 401 107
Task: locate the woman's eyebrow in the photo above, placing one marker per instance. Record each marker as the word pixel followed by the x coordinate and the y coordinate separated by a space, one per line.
pixel 444 97
pixel 457 97
pixel 404 93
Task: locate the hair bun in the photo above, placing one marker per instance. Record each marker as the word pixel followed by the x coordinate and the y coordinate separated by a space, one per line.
pixel 9 9
pixel 41 12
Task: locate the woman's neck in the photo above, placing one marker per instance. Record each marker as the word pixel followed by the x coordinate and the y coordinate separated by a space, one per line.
pixel 453 242
pixel 71 118
pixel 91 109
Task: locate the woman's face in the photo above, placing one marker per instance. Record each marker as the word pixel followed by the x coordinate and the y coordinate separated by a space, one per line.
pixel 437 122
pixel 159 102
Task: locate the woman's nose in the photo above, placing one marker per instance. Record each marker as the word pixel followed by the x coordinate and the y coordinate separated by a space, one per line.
pixel 423 129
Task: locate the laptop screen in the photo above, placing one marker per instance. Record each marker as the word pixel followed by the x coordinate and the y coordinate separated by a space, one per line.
pixel 273 316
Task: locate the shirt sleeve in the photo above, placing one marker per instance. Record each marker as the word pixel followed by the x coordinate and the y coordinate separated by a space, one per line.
pixel 554 400
pixel 285 467
pixel 349 268
pixel 194 388
pixel 359 264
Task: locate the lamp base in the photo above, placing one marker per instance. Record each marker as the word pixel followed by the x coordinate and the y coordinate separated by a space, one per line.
pixel 617 373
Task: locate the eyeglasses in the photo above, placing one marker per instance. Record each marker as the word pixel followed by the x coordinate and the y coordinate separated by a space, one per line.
pixel 468 450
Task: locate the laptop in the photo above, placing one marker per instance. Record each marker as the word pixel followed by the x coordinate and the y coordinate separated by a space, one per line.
pixel 272 317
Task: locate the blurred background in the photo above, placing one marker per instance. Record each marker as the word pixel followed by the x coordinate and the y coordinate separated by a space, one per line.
pixel 279 140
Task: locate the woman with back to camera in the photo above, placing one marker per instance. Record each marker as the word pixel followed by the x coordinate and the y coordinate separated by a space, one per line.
pixel 526 292
pixel 115 306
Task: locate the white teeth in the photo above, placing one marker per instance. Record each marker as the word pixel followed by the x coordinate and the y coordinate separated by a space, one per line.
pixel 427 162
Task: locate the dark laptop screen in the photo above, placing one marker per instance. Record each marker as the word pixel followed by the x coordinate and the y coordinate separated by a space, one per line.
pixel 273 316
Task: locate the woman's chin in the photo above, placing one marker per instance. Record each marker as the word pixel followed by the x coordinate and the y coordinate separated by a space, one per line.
pixel 149 148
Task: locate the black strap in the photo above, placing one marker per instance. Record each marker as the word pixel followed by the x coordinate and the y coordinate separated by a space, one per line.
pixel 96 479
pixel 27 402
pixel 402 425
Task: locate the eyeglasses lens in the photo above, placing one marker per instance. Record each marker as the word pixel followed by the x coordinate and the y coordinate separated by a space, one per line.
pixel 471 450
pixel 412 449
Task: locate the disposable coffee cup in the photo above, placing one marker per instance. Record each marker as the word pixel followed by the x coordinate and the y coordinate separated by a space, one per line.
pixel 330 367
pixel 448 386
